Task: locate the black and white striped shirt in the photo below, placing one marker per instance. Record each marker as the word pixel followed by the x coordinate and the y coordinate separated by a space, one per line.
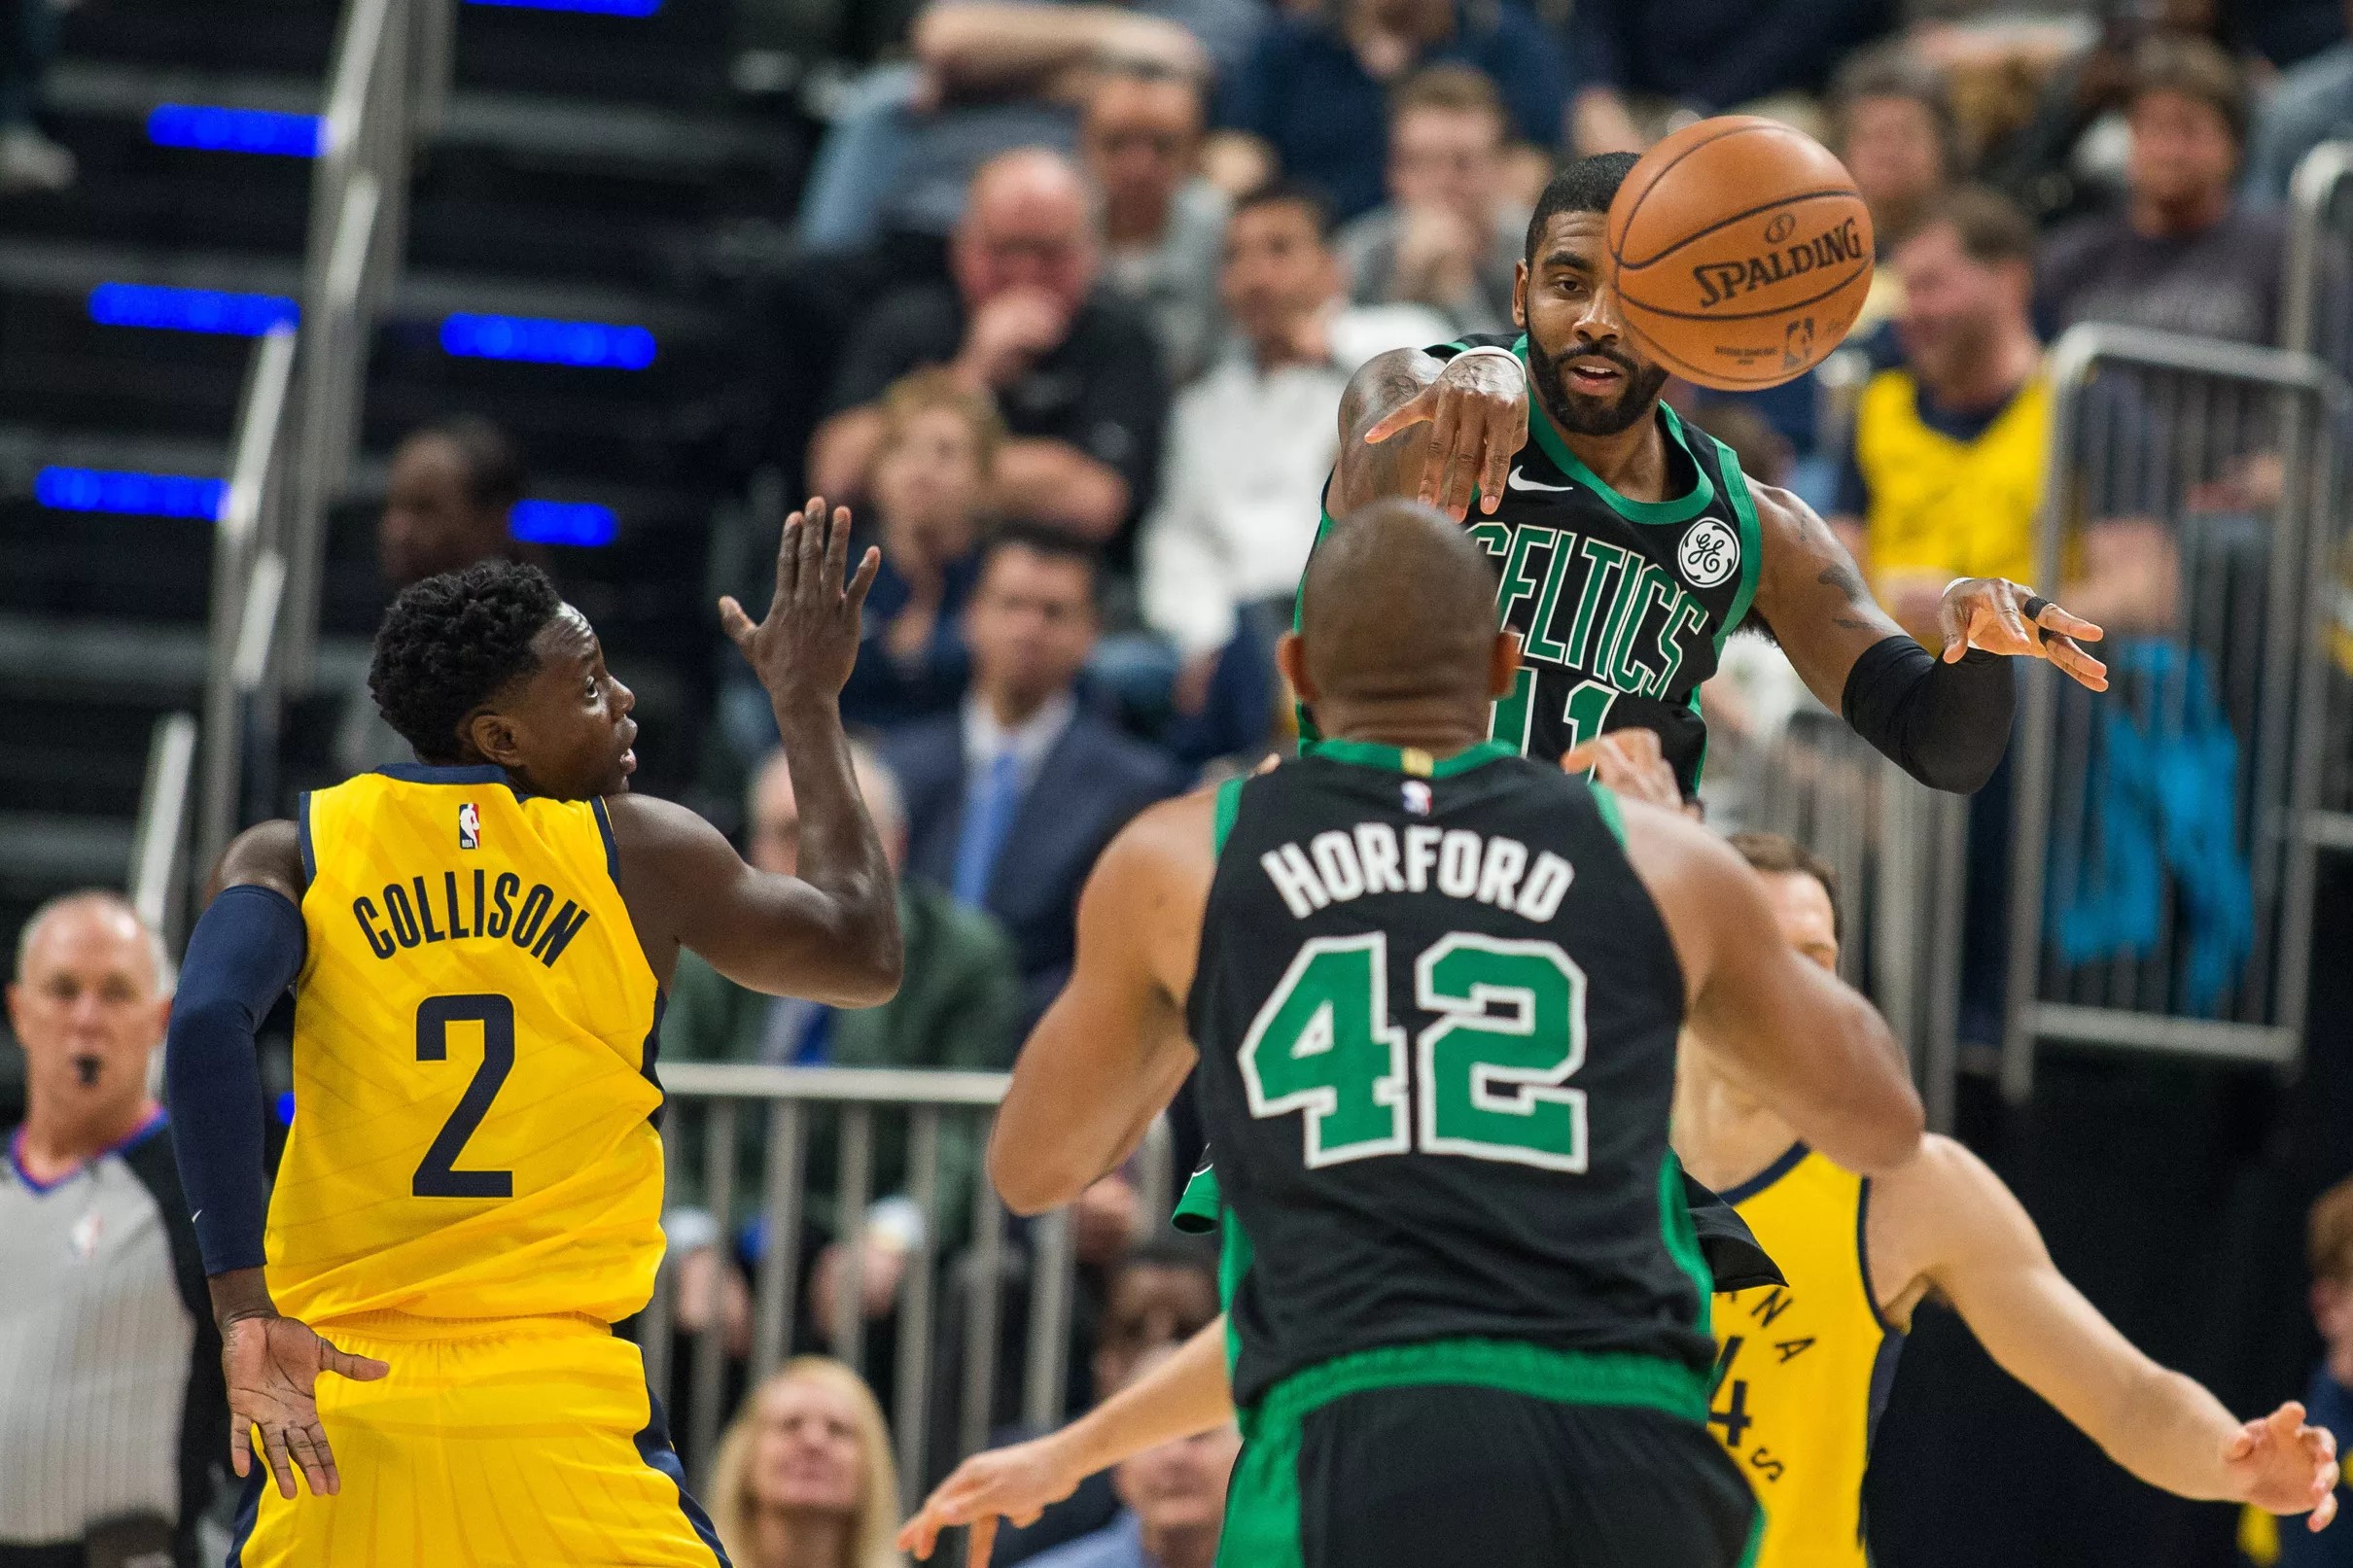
pixel 111 1398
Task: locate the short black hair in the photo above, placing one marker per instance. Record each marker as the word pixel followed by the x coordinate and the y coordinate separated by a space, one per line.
pixel 1589 185
pixel 1283 193
pixel 1053 544
pixel 494 464
pixel 449 644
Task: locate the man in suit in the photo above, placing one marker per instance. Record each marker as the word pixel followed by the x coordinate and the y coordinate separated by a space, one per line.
pixel 1010 798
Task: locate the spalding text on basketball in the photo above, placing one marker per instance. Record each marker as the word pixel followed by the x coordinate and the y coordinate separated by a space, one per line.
pixel 1720 280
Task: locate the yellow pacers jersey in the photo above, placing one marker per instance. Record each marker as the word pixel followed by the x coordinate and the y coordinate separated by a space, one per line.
pixel 473 1034
pixel 1949 507
pixel 1802 1369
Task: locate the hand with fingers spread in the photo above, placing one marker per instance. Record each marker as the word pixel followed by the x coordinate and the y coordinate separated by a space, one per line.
pixel 809 641
pixel 2284 1466
pixel 1631 763
pixel 2001 616
pixel 272 1366
pixel 1477 413
pixel 1016 1483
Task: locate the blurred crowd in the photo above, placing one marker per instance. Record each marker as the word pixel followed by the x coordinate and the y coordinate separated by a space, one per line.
pixel 1079 287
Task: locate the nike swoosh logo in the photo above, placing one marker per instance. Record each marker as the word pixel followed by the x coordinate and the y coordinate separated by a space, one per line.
pixel 1519 482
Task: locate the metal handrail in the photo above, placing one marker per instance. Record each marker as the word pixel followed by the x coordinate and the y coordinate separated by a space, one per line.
pixel 158 856
pixel 2313 195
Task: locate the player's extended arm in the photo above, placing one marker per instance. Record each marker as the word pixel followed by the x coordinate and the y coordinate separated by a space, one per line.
pixel 1412 425
pixel 1793 1034
pixel 1985 1256
pixel 242 956
pixel 831 932
pixel 1112 1051
pixel 1945 721
pixel 1187 1393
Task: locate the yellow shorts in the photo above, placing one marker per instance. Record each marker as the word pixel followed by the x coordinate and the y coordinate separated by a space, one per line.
pixel 515 1442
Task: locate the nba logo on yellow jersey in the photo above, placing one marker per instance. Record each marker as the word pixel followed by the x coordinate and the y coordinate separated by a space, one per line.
pixel 470 827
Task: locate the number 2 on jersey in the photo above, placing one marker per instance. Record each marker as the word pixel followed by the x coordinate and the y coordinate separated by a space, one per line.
pixel 1492 1083
pixel 437 1175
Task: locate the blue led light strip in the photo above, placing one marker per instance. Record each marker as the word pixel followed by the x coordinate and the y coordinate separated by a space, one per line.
pixel 137 495
pixel 190 310
pixel 602 7
pixel 213 130
pixel 585 343
pixel 583 523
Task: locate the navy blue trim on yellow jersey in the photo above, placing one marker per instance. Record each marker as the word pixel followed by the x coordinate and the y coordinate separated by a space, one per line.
pixel 652 1055
pixel 310 857
pixel 1742 1192
pixel 434 773
pixel 652 1441
pixel 604 829
pixel 249 1508
pixel 1891 1340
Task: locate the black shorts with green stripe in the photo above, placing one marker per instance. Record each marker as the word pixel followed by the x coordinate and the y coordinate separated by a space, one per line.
pixel 1485 1455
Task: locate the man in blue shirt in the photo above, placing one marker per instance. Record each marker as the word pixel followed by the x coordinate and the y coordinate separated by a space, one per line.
pixel 1315 89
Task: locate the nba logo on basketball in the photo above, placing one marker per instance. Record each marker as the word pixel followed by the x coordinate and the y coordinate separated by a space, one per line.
pixel 1416 798
pixel 470 827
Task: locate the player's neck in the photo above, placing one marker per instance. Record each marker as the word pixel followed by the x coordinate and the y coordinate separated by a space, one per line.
pixel 1181 1549
pixel 55 1145
pixel 1722 1135
pixel 1440 728
pixel 1633 462
pixel 798 1538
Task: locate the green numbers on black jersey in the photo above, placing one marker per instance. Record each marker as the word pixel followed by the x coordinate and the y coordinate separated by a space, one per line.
pixel 1493 1070
pixel 1513 718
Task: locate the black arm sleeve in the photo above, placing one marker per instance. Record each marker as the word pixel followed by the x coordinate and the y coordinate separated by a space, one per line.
pixel 243 955
pixel 1946 724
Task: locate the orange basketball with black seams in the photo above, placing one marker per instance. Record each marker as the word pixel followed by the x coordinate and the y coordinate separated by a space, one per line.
pixel 1741 251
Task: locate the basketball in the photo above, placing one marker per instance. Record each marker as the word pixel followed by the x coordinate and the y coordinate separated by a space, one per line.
pixel 1742 252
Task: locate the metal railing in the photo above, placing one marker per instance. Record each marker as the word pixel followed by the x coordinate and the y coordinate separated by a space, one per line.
pixel 158 855
pixel 298 421
pixel 2317 317
pixel 717 1106
pixel 2159 897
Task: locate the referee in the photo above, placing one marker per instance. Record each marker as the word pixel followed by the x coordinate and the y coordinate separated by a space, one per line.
pixel 112 1414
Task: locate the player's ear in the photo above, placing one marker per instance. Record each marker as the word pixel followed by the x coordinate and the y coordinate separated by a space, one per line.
pixel 1520 294
pixel 493 739
pixel 1290 657
pixel 1504 665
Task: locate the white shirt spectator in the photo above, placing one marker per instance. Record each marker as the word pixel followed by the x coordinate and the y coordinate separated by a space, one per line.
pixel 1248 455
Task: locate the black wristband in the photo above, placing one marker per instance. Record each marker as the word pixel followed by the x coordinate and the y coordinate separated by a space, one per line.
pixel 1944 724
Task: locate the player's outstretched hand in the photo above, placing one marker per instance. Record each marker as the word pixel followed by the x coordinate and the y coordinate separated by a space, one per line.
pixel 2284 1466
pixel 272 1366
pixel 2001 616
pixel 809 641
pixel 1477 413
pixel 1629 762
pixel 1016 1481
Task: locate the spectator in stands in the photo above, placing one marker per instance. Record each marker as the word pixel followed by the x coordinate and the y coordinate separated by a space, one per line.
pixel 1010 800
pixel 112 1413
pixel 1074 368
pixel 1449 238
pixel 28 159
pixel 1632 59
pixel 989 76
pixel 1172 1504
pixel 2311 103
pixel 1892 123
pixel 2183 255
pixel 1310 103
pixel 1139 138
pixel 804 1477
pixel 2329 1396
pixel 1252 442
pixel 452 485
pixel 958 1007
pixel 1158 1297
pixel 929 489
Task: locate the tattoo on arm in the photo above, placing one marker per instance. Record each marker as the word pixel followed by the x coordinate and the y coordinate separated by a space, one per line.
pixel 1842 577
pixel 1380 388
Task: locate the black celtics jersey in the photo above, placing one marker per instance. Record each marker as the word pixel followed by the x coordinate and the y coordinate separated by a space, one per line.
pixel 1429 1125
pixel 1621 606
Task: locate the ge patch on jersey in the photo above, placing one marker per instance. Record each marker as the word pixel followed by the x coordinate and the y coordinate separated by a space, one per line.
pixel 1709 553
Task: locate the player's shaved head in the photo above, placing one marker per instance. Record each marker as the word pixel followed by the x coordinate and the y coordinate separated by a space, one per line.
pixel 1397 612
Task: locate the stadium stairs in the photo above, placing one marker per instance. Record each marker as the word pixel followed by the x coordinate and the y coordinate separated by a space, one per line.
pixel 596 168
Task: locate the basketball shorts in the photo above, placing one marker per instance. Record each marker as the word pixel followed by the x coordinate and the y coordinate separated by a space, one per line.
pixel 1478 1454
pixel 511 1443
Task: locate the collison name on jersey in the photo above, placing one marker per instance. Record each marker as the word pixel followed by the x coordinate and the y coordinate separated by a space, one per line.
pixel 1621 606
pixel 1429 1125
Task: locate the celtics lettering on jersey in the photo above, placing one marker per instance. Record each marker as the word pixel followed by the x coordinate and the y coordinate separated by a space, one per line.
pixel 1621 606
